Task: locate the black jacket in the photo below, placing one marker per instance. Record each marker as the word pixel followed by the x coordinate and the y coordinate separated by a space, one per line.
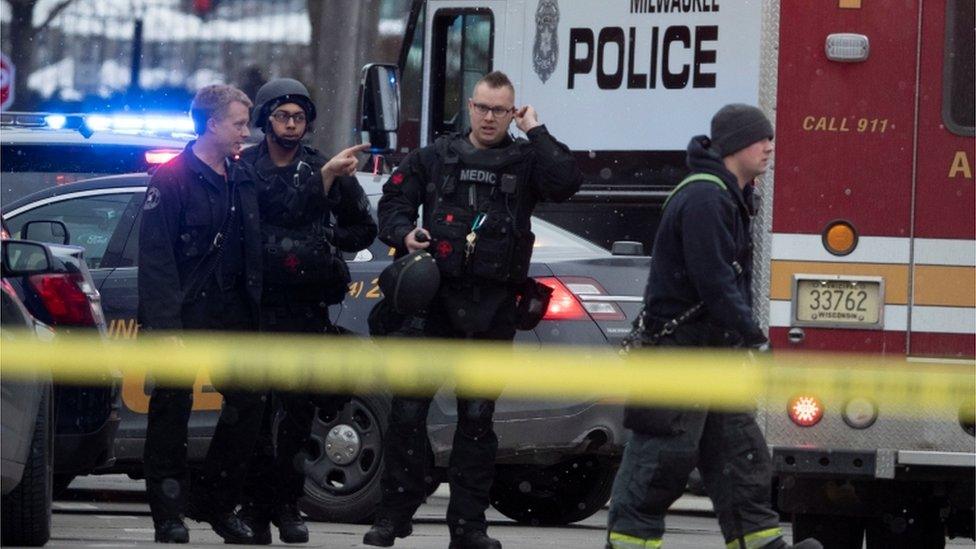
pixel 554 177
pixel 293 206
pixel 182 213
pixel 300 203
pixel 704 233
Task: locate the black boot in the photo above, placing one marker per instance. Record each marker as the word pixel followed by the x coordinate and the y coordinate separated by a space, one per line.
pixel 171 531
pixel 258 519
pixel 384 531
pixel 291 527
pixel 225 524
pixel 475 540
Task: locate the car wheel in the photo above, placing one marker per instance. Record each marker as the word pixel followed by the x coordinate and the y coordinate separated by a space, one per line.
pixel 831 530
pixel 26 513
pixel 560 494
pixel 345 461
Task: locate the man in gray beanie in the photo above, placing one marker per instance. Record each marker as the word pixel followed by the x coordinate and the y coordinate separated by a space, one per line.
pixel 698 295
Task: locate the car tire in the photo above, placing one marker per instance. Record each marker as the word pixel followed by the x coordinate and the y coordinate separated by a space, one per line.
pixel 340 491
pixel 555 495
pixel 26 513
pixel 832 531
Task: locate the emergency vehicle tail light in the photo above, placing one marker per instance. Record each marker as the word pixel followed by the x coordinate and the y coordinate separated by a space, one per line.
pixel 65 298
pixel 588 291
pixel 846 47
pixel 860 413
pixel 805 410
pixel 160 156
pixel 839 238
pixel 563 305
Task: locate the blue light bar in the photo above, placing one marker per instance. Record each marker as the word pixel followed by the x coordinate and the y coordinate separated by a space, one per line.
pixel 55 121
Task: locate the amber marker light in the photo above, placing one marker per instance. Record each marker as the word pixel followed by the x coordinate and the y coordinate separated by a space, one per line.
pixel 805 410
pixel 840 238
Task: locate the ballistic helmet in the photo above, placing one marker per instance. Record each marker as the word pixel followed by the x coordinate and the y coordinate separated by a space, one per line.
pixel 410 282
pixel 278 92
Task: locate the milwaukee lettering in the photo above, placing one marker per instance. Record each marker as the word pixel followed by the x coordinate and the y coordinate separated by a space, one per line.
pixel 587 52
pixel 477 176
pixel 673 6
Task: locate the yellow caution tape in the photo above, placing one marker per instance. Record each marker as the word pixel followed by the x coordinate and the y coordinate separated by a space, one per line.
pixel 722 380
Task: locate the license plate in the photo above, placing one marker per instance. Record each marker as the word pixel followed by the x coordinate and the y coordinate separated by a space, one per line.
pixel 841 301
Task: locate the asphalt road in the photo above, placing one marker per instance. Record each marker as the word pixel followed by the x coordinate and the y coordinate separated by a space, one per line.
pixel 110 512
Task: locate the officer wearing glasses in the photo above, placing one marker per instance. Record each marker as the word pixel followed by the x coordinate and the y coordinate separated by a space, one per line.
pixel 312 208
pixel 478 190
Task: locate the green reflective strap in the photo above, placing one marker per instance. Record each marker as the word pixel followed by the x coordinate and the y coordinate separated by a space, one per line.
pixel 755 540
pixel 623 541
pixel 692 179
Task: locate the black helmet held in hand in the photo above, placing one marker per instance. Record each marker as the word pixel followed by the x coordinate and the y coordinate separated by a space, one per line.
pixel 278 92
pixel 410 282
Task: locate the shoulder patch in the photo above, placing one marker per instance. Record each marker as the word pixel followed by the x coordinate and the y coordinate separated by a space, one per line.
pixel 397 178
pixel 152 199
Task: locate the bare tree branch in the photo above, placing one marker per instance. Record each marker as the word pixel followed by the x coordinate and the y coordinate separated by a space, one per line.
pixel 55 11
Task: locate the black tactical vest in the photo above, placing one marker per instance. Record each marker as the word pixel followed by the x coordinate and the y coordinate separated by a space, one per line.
pixel 298 254
pixel 480 224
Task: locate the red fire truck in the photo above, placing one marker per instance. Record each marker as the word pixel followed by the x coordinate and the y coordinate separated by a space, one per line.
pixel 866 236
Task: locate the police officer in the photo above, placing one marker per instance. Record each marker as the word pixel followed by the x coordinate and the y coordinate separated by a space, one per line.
pixel 312 209
pixel 698 295
pixel 200 269
pixel 478 191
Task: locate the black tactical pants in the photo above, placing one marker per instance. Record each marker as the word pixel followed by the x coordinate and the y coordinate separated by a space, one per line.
pixel 217 489
pixel 730 452
pixel 275 473
pixel 471 470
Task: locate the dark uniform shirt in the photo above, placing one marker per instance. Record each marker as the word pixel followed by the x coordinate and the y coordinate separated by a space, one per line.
pixel 185 207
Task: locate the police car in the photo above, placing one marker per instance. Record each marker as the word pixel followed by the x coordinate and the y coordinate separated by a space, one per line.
pixel 45 150
pixel 556 460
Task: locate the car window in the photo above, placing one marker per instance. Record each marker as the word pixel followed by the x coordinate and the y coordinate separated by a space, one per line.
pixel 91 221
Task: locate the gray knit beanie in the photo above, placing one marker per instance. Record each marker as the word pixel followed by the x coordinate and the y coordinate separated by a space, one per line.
pixel 736 126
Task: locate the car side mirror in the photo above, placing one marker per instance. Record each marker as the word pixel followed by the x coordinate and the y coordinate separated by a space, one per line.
pixel 24 258
pixel 379 107
pixel 627 247
pixel 44 230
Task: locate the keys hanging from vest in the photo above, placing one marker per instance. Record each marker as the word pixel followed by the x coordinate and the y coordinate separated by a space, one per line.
pixel 473 235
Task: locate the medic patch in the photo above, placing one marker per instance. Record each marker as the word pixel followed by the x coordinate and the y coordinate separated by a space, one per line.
pixel 397 178
pixel 152 199
pixel 545 50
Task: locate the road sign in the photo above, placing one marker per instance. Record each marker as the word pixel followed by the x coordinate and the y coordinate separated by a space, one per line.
pixel 7 72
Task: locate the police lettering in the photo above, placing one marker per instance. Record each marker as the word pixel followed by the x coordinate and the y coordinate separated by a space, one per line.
pixel 477 176
pixel 614 43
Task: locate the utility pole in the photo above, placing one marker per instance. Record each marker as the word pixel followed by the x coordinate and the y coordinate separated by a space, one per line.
pixel 344 38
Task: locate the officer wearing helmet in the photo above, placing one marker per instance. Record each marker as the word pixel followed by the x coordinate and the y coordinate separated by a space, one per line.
pixel 312 208
pixel 478 190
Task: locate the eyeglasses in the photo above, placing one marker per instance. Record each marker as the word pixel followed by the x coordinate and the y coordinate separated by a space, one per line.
pixel 282 117
pixel 499 112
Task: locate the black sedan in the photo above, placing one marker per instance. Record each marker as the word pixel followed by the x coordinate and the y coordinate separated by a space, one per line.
pixel 556 460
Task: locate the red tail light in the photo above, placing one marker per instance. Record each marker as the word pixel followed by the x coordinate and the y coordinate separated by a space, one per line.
pixel 64 298
pixel 161 156
pixel 563 305
pixel 805 410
